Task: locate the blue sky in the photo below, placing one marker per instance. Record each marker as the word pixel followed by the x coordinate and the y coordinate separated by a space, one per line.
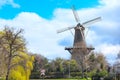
pixel 44 8
pixel 41 19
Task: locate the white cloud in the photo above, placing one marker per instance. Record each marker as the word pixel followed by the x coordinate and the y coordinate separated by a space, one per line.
pixel 109 49
pixel 42 37
pixel 110 3
pixel 40 34
pixel 9 2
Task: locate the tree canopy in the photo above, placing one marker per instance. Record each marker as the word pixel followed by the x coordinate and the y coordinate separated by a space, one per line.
pixel 16 63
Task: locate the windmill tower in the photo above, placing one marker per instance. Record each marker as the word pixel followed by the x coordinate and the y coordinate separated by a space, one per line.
pixel 79 49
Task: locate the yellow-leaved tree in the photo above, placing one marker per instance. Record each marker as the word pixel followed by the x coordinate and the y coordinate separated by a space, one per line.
pixel 23 67
pixel 18 63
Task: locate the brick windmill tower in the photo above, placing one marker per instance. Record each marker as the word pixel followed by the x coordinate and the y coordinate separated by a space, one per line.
pixel 79 51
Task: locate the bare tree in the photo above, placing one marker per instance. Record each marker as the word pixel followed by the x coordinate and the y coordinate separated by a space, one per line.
pixel 12 43
pixel 97 61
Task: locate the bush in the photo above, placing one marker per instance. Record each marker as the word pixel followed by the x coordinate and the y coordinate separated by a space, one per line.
pixel 63 75
pixel 2 78
pixel 76 74
pixel 110 77
pixel 54 75
pixel 103 73
pixel 35 75
pixel 92 73
pixel 99 74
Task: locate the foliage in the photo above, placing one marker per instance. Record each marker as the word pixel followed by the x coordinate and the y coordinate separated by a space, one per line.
pixel 110 77
pixel 103 73
pixel 100 74
pixel 76 74
pixel 91 73
pixel 22 73
pixel 60 68
pixel 2 78
pixel 97 61
pixel 40 62
pixel 17 63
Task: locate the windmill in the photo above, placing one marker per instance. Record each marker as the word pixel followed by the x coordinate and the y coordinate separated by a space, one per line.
pixel 79 49
pixel 79 37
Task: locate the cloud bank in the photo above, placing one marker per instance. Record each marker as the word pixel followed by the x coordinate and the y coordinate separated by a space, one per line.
pixel 42 37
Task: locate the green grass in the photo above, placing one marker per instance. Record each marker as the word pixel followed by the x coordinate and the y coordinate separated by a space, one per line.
pixel 55 79
pixel 59 79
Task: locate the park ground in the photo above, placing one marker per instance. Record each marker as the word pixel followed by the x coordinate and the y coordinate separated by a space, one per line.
pixel 60 79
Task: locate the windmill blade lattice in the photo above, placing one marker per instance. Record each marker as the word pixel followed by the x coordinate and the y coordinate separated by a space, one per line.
pixel 92 21
pixel 65 29
pixel 75 14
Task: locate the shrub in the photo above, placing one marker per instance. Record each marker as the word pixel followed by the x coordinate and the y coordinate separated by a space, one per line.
pixel 91 73
pixel 103 73
pixel 110 77
pixel 35 75
pixel 76 74
pixel 2 78
pixel 99 74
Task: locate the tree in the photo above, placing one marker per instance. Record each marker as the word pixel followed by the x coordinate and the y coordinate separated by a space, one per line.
pixel 73 65
pixel 97 61
pixel 101 61
pixel 92 62
pixel 21 71
pixel 97 64
pixel 2 64
pixel 40 62
pixel 58 62
pixel 12 45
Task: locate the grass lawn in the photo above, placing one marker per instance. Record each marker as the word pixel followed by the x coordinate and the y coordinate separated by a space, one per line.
pixel 54 79
pixel 60 79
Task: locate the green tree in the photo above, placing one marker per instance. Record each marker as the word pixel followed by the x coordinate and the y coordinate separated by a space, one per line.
pixel 97 64
pixel 92 61
pixel 40 62
pixel 58 64
pixel 73 65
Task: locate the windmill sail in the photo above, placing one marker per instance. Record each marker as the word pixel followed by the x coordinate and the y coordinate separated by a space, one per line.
pixel 92 21
pixel 65 29
pixel 75 14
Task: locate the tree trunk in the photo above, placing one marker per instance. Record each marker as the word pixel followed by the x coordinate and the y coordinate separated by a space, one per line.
pixel 82 65
pixel 7 76
pixel 82 71
pixel 8 68
pixel 8 71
